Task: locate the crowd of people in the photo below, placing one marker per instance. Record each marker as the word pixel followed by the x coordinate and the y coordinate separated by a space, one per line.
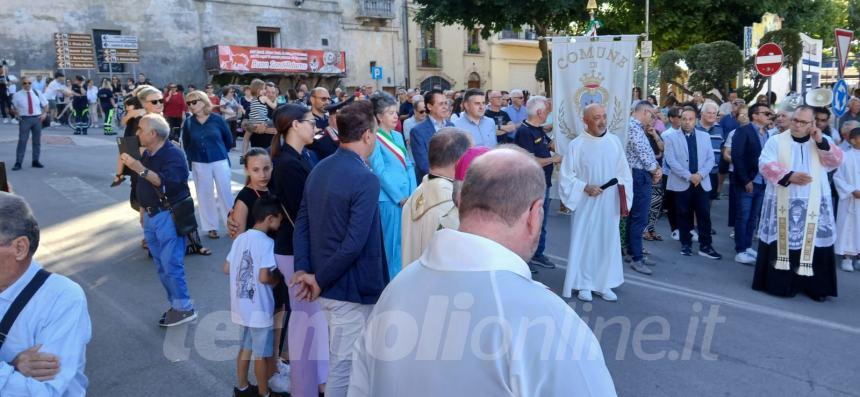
pixel 359 205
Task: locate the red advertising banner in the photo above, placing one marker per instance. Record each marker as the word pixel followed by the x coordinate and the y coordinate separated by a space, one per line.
pixel 233 58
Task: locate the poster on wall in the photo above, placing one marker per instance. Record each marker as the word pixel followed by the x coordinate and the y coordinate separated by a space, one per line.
pixel 278 60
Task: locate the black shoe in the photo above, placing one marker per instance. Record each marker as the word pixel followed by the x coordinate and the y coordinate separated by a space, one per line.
pixel 709 252
pixel 176 317
pixel 16 167
pixel 687 250
pixel 37 164
pixel 251 391
pixel 543 262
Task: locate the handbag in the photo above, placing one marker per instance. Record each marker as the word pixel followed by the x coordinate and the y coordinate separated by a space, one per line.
pixel 182 213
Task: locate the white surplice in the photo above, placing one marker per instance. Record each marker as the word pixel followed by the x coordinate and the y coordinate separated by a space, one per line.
pixel 847 180
pixel 466 319
pixel 594 260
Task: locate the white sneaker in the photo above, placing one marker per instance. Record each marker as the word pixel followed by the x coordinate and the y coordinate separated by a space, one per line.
pixel 280 381
pixel 847 265
pixel 608 295
pixel 751 252
pixel 14 121
pixel 744 258
pixel 732 234
pixel 5 121
pixel 584 295
pixel 55 124
pixel 676 235
pixel 695 235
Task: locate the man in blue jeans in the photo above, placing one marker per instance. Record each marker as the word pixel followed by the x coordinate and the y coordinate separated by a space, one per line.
pixel 746 149
pixel 531 137
pixel 646 172
pixel 164 168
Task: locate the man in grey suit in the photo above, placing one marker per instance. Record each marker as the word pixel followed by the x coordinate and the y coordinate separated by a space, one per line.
pixel 690 159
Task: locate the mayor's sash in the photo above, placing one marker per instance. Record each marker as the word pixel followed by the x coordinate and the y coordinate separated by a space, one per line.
pixel 810 223
pixel 389 144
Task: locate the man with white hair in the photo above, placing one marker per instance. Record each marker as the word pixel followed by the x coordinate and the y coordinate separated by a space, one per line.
pixel 478 276
pixel 845 132
pixel 853 112
pixel 517 110
pixel 782 122
pixel 419 113
pixel 532 137
pixel 708 123
pixel 163 173
pixel 46 326
pixel 594 173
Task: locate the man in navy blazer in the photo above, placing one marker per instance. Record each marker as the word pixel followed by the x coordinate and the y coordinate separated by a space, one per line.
pixel 339 256
pixel 437 106
pixel 747 143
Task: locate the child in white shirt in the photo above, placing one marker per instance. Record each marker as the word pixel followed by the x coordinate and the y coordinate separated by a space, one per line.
pixel 847 181
pixel 250 264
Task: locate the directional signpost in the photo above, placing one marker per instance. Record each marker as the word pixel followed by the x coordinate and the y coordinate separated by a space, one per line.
pixel 119 49
pixel 768 61
pixel 840 98
pixel 74 51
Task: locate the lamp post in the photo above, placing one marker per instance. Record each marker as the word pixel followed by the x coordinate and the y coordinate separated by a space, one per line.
pixel 591 6
pixel 646 59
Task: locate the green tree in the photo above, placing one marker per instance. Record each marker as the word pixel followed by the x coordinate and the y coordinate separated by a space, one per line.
pixel 792 49
pixel 710 66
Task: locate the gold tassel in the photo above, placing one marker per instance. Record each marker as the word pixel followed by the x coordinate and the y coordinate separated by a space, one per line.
pixel 805 269
pixel 782 264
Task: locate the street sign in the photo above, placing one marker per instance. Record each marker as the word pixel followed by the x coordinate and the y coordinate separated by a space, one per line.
pixel 74 51
pixel 843 41
pixel 646 50
pixel 768 59
pixel 119 41
pixel 840 98
pixel 747 41
pixel 121 55
pixel 376 72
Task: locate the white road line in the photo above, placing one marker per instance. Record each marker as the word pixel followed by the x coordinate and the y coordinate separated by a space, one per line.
pixel 644 282
pixel 79 192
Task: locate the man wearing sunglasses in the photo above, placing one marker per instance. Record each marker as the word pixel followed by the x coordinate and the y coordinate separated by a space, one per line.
pixel 31 108
pixel 747 144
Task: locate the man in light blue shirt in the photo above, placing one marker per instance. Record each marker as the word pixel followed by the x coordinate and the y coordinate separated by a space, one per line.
pixel 44 353
pixel 517 109
pixel 482 128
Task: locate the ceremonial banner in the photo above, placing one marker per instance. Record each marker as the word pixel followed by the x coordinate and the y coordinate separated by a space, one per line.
pixel 588 70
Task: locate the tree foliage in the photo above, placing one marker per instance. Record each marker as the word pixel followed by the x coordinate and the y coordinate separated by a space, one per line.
pixel 710 66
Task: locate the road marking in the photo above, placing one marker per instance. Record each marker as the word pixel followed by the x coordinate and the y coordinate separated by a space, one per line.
pixel 649 283
pixel 79 192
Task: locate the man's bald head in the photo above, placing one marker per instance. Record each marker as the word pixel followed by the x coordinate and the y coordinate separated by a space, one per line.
pixel 501 185
pixel 594 117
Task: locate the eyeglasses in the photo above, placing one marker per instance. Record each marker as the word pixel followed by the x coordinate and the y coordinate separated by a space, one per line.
pixel 821 120
pixel 516 97
pixel 768 114
pixel 421 111
pixel 159 101
pixel 801 122
pixel 312 121
pixel 191 102
pixel 25 83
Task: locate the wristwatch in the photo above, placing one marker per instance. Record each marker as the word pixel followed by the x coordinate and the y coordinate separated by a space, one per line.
pixel 144 173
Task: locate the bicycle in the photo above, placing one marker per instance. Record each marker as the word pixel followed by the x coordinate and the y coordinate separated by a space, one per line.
pixel 78 120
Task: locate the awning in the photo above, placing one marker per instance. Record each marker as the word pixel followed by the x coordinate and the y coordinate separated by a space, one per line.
pixel 241 60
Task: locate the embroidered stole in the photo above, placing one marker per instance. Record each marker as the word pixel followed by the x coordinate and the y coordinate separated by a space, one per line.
pixel 810 224
pixel 388 143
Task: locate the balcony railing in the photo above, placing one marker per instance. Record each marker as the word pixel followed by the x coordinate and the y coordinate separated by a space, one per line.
pixel 375 9
pixel 518 35
pixel 430 58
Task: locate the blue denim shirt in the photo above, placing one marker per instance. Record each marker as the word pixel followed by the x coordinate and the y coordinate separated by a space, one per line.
pixel 172 168
pixel 207 142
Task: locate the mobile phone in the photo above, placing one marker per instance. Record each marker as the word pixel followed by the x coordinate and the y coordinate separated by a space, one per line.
pixel 4 185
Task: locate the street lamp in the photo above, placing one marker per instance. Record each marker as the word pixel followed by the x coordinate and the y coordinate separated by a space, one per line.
pixel 591 6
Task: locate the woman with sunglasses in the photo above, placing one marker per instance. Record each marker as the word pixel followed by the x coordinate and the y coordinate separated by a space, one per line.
pixel 206 139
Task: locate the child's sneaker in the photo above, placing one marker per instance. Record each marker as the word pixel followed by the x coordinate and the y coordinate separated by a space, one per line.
pixel 847 265
pixel 250 391
pixel 280 381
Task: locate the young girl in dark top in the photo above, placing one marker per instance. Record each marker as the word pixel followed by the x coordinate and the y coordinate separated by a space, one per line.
pixel 258 168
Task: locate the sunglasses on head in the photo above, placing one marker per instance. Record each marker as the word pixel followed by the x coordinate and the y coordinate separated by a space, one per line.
pixel 157 101
pixel 191 102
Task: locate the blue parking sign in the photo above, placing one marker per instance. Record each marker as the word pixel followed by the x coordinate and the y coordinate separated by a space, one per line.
pixel 376 72
pixel 840 98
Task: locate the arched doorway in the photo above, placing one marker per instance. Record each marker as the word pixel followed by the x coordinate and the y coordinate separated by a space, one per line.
pixel 474 80
pixel 435 82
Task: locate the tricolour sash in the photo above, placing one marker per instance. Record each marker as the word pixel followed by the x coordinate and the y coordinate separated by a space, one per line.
pixel 389 144
pixel 810 224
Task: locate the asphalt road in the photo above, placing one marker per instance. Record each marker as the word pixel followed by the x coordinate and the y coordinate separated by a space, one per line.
pixel 693 328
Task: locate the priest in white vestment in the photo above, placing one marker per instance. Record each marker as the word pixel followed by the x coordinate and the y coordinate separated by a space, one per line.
pixel 433 199
pixel 593 160
pixel 847 181
pixel 467 319
pixel 797 230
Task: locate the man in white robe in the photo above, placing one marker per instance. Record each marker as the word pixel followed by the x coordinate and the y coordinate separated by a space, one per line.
pixel 797 230
pixel 433 199
pixel 466 319
pixel 847 181
pixel 593 160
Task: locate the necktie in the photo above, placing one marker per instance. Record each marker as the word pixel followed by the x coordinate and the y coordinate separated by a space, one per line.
pixel 29 104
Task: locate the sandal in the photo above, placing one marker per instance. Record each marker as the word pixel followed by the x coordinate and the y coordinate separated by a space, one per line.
pixel 213 234
pixel 192 250
pixel 648 236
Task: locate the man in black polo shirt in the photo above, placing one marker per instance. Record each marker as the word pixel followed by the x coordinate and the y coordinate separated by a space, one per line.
pixel 502 119
pixel 163 167
pixel 531 137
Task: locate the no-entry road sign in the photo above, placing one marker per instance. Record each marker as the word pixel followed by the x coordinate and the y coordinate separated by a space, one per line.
pixel 768 59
